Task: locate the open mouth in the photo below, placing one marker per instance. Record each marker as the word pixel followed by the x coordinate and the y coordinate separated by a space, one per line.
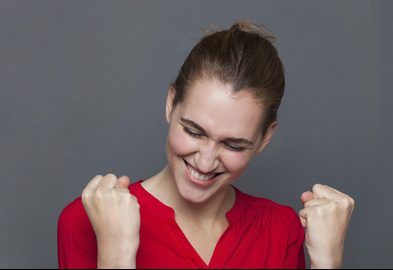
pixel 198 176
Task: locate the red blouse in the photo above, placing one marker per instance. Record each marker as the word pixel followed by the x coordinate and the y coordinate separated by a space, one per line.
pixel 261 234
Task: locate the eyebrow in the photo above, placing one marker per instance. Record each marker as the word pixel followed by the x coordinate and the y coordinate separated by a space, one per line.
pixel 233 140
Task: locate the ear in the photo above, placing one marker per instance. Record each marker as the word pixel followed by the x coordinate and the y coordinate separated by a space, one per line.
pixel 169 102
pixel 267 137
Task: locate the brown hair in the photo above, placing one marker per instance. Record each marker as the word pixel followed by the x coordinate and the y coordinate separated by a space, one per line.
pixel 242 56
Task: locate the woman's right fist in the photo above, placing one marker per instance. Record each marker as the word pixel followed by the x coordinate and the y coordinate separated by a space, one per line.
pixel 113 212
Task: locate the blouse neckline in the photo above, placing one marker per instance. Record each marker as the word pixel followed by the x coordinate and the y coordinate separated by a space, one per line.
pixel 165 211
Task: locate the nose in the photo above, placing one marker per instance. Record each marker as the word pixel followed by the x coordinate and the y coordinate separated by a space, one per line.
pixel 207 158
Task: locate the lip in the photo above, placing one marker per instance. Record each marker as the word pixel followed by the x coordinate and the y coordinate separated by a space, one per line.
pixel 200 183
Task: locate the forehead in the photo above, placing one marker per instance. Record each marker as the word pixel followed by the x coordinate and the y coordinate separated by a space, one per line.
pixel 217 108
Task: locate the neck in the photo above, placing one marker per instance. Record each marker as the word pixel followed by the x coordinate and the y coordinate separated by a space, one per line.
pixel 163 187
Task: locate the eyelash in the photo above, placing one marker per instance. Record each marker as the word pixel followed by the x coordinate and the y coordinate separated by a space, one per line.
pixel 196 135
pixel 193 134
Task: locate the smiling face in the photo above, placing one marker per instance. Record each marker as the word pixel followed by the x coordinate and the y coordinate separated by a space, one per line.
pixel 212 136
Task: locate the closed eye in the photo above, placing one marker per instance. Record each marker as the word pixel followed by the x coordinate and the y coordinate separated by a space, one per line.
pixel 191 133
pixel 198 135
pixel 235 148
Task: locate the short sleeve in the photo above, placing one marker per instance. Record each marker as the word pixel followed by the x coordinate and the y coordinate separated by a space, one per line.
pixel 76 241
pixel 294 258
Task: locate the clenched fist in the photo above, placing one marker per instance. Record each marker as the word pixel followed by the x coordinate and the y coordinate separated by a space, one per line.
pixel 326 215
pixel 114 215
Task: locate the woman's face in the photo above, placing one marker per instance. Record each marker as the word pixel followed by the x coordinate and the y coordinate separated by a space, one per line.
pixel 213 134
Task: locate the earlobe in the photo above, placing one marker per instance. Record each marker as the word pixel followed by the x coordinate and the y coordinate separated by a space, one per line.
pixel 267 137
pixel 169 102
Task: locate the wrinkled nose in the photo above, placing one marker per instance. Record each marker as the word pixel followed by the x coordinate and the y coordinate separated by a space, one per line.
pixel 207 158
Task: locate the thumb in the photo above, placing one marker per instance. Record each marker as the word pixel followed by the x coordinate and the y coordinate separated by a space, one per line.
pixel 307 196
pixel 123 182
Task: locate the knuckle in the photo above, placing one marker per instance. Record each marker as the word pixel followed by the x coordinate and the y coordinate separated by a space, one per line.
pixel 99 189
pixel 110 175
pixel 352 202
pixel 85 194
pixel 97 176
pixel 350 199
pixel 84 200
pixel 346 202
pixel 99 192
pixel 114 195
pixel 316 187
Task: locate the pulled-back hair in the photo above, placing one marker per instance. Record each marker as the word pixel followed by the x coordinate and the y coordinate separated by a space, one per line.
pixel 242 56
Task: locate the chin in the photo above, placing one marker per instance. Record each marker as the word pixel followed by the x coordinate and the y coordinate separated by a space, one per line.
pixel 197 191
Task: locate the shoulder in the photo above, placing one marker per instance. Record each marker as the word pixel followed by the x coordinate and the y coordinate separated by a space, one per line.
pixel 72 210
pixel 280 221
pixel 74 216
pixel 76 241
pixel 267 209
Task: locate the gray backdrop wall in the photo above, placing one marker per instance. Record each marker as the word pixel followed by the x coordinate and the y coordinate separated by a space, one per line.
pixel 82 90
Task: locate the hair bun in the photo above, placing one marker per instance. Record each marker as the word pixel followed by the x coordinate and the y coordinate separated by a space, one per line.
pixel 254 28
pixel 245 26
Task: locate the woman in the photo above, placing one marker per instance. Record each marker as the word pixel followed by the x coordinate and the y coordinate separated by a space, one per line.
pixel 221 111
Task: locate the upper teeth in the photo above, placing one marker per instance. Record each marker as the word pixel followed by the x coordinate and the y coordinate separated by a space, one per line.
pixel 199 176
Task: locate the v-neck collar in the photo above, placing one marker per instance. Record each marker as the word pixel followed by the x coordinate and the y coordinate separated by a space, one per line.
pixel 165 211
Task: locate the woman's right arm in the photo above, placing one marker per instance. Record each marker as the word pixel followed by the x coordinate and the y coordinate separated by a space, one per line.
pixel 114 215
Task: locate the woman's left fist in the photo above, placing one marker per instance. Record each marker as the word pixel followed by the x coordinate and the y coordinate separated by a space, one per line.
pixel 325 217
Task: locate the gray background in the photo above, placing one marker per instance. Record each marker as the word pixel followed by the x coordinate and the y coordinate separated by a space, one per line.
pixel 82 90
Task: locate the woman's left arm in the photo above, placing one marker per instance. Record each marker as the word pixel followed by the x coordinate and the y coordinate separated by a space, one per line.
pixel 325 217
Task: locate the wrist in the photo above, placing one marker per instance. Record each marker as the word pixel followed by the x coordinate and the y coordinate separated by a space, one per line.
pixel 326 258
pixel 117 254
pixel 326 264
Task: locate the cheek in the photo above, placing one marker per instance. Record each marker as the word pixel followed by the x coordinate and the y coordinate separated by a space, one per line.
pixel 180 143
pixel 235 163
